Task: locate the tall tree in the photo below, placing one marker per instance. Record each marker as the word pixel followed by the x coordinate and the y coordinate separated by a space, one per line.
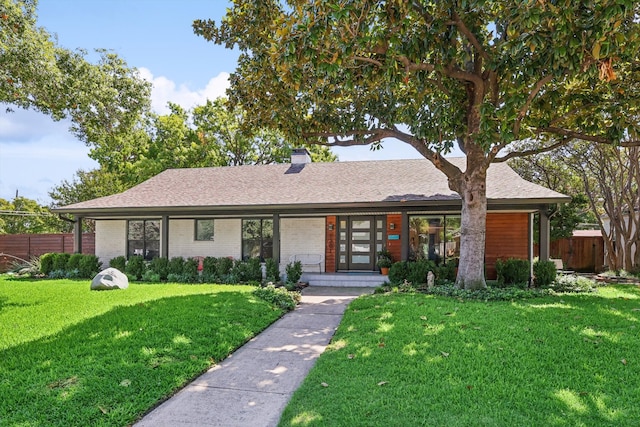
pixel 25 216
pixel 611 177
pixel 103 100
pixel 480 73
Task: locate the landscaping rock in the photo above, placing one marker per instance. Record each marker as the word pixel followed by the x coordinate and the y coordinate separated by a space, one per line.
pixel 108 279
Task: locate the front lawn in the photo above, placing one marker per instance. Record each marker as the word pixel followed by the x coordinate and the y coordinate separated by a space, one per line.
pixel 71 356
pixel 420 360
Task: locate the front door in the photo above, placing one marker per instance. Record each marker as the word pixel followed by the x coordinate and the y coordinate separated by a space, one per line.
pixel 358 240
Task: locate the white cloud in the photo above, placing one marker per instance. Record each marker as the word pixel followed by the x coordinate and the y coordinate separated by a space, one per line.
pixel 165 90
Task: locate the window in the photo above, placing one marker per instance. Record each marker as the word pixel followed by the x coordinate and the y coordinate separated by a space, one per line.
pixel 204 230
pixel 257 238
pixel 143 238
pixel 434 237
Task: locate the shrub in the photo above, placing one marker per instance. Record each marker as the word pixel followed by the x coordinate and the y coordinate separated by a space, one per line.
pixel 174 278
pixel 279 297
pixel 294 271
pixel 544 273
pixel 398 272
pixel 512 271
pixel 573 283
pixel 254 270
pixel 446 272
pixel 190 270
pixel 272 270
pixel 74 262
pixel 150 276
pixel 119 262
pixel 89 266
pixel 136 267
pixel 224 266
pixel 176 266
pixel 46 263
pixel 210 267
pixel 160 266
pixel 60 261
pixel 417 271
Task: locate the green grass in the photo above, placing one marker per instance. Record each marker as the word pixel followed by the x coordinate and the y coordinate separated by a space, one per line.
pixel 420 360
pixel 70 356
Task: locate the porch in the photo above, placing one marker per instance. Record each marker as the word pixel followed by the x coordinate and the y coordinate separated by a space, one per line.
pixel 346 279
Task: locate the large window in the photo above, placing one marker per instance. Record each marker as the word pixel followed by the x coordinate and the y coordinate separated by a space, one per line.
pixel 257 238
pixel 143 238
pixel 204 230
pixel 434 237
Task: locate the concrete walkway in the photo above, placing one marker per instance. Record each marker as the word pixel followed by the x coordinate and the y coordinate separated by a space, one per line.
pixel 253 385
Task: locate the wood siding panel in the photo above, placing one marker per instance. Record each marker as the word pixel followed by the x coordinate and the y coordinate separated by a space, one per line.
pixel 26 246
pixel 507 237
pixel 330 244
pixel 395 246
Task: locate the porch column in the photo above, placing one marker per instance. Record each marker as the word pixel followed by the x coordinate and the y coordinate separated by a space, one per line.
pixel 545 234
pixel 404 237
pixel 276 238
pixel 77 234
pixel 164 239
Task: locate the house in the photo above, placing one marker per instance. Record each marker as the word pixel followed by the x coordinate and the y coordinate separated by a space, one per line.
pixel 336 215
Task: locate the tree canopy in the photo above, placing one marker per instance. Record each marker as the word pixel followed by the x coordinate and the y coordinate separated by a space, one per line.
pixel 481 74
pixel 102 100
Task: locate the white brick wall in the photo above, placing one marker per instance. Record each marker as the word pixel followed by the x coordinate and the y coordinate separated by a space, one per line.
pixel 111 240
pixel 301 236
pixel 226 242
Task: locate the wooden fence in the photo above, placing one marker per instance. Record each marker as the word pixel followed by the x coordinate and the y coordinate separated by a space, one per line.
pixel 582 253
pixel 27 246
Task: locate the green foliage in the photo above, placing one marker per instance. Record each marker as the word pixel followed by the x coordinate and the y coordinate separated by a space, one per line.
pixel 224 266
pixel 46 263
pixel 33 218
pixel 573 283
pixel 483 75
pixel 150 276
pixel 293 271
pixel 445 271
pixel 190 270
pixel 74 262
pixel 176 266
pixel 119 262
pixel 60 261
pixel 398 272
pixel 89 266
pixel 272 270
pixel 413 272
pixel 247 271
pixel 544 273
pixel 210 267
pixel 136 267
pixel 160 266
pixel 513 271
pixel 279 297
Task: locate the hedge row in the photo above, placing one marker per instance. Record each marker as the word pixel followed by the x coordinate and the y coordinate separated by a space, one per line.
pixel 62 265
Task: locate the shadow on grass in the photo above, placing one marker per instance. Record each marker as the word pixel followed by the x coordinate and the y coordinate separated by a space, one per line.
pixel 110 369
pixel 420 360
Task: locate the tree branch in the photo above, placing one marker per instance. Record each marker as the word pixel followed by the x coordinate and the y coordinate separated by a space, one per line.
pixel 523 111
pixel 462 27
pixel 525 153
pixel 591 138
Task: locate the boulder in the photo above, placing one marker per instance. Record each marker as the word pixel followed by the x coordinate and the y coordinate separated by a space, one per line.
pixel 111 278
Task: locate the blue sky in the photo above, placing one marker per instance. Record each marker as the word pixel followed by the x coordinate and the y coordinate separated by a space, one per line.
pixel 154 36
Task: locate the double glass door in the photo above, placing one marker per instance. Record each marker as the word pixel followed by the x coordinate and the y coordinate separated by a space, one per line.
pixel 359 238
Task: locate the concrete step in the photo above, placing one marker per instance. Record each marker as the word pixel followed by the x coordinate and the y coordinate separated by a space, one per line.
pixel 344 279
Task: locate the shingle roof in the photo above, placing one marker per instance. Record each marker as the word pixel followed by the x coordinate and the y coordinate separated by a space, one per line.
pixel 309 185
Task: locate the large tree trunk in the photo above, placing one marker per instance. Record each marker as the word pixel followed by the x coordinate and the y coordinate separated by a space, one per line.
pixel 473 190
